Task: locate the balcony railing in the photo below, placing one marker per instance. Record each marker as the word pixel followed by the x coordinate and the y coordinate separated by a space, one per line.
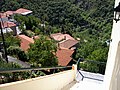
pixel 90 66
pixel 11 75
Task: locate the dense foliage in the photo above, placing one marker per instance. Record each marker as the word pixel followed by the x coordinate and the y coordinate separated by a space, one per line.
pixel 11 77
pixel 13 47
pixel 91 21
pixel 10 40
pixel 16 51
pixel 42 52
pixel 72 15
pixel 5 65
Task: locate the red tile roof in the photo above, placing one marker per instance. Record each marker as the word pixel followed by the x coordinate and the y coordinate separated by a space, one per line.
pixel 7 24
pixel 60 36
pixel 64 56
pixel 23 11
pixel 67 44
pixel 25 42
pixel 8 13
pixel 35 37
pixel 2 15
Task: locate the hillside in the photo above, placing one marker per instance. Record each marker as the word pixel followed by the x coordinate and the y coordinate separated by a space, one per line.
pixel 91 21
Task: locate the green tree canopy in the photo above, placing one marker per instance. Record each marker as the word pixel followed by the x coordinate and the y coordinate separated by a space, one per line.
pixel 88 20
pixel 42 52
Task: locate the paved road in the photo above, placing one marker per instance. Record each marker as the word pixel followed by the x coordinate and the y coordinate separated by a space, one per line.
pixel 21 63
pixel 15 60
pixel 12 59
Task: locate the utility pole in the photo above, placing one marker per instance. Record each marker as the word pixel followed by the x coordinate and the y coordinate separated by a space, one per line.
pixel 3 39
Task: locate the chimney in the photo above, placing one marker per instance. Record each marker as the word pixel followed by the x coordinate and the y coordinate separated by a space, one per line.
pixel 33 37
pixel 59 46
pixel 64 37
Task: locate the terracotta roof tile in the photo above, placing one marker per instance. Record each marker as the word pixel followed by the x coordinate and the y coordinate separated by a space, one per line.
pixel 9 13
pixel 23 11
pixel 67 36
pixel 7 24
pixel 60 36
pixel 67 44
pixel 57 36
pixel 2 15
pixel 25 42
pixel 35 37
pixel 64 56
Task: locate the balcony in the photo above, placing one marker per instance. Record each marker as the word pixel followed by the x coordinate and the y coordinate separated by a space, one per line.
pixel 54 81
pixel 73 79
pixel 88 80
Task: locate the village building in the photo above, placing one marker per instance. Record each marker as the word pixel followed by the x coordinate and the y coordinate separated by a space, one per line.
pixel 66 48
pixel 7 20
pixel 23 11
pixel 25 42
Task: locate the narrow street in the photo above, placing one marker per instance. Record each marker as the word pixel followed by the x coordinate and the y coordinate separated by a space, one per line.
pixel 15 60
pixel 21 63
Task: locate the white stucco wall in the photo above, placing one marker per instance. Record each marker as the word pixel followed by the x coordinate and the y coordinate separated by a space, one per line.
pixel 112 73
pixel 115 80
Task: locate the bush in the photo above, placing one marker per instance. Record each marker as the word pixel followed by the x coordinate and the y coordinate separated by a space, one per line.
pixel 16 76
pixel 17 52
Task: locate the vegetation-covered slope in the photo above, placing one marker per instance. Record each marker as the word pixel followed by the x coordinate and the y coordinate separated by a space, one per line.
pixel 89 20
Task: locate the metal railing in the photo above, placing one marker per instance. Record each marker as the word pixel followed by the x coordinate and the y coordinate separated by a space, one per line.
pixel 31 69
pixel 90 66
pixel 11 75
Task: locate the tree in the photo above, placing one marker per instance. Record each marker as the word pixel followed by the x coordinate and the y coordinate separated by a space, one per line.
pixel 90 21
pixel 11 77
pixel 12 41
pixel 5 65
pixel 17 52
pixel 42 52
pixel 28 21
pixel 11 5
pixel 98 57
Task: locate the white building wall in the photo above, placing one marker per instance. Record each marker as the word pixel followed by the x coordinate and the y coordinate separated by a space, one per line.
pixel 115 80
pixel 4 19
pixel 112 74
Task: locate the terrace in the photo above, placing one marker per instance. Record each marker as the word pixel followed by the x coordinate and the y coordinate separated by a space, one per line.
pixel 82 80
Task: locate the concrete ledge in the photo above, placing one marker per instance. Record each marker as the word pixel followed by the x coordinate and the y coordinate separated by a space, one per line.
pixel 50 82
